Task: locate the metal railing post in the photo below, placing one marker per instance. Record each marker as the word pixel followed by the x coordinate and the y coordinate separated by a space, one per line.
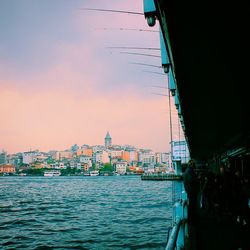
pixel 180 228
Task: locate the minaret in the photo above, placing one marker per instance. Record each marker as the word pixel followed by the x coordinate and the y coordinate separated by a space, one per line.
pixel 108 140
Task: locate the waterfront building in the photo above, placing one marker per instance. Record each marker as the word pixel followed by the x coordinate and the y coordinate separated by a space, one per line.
pixel 108 140
pixel 121 167
pixel 7 169
pixel 87 160
pixel 85 167
pixel 163 159
pixel 146 156
pixel 58 165
pixel 39 165
pixel 97 157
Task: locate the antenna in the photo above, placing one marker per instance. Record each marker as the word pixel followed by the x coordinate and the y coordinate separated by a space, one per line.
pixel 115 11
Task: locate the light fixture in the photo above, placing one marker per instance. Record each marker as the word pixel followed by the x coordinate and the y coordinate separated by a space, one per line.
pixel 172 92
pixel 151 20
pixel 166 68
pixel 150 12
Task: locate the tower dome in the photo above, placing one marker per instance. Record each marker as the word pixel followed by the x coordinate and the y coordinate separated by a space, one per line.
pixel 108 140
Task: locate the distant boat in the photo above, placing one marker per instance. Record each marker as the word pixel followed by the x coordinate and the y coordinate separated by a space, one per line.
pixel 94 173
pixel 52 173
pixel 22 174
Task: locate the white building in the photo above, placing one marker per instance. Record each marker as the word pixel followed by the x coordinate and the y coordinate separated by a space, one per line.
pixel 121 167
pixel 30 157
pixel 97 157
pixel 105 157
pixel 146 156
pixel 98 148
pixel 166 158
pixel 101 157
pixel 116 153
pixel 180 151
pixel 86 160
pixel 58 165
pixel 133 156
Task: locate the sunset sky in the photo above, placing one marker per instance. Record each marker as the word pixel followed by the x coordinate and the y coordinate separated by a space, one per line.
pixel 60 85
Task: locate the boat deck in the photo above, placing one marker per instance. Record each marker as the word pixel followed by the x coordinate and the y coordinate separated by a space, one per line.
pixel 161 177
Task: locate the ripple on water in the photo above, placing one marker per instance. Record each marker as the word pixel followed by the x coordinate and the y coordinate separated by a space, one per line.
pixel 84 213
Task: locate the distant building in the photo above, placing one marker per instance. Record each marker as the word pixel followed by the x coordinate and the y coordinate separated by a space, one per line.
pixel 14 159
pixel 165 158
pixel 30 157
pixel 101 157
pixel 61 155
pixel 85 151
pixel 105 157
pixel 86 160
pixel 74 148
pixel 146 156
pixel 7 168
pixel 57 165
pixel 98 148
pixel 121 167
pixel 108 140
pixel 130 156
pixel 116 153
pixel 3 157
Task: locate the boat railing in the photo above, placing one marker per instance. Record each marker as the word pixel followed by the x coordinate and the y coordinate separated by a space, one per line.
pixel 180 228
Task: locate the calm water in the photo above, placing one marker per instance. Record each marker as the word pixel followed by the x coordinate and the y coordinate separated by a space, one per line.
pixel 113 212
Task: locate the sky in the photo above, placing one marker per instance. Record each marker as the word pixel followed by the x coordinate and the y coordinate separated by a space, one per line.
pixel 60 84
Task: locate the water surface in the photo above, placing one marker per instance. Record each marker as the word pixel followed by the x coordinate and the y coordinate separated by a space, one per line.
pixel 102 212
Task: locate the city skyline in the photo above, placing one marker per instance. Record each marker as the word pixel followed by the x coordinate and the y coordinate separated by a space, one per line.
pixel 87 145
pixel 60 85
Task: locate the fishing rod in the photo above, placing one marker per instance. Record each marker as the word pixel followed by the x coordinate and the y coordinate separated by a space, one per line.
pixel 152 72
pixel 143 48
pixel 114 11
pixel 155 86
pixel 139 54
pixel 158 94
pixel 160 87
pixel 128 29
pixel 145 64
